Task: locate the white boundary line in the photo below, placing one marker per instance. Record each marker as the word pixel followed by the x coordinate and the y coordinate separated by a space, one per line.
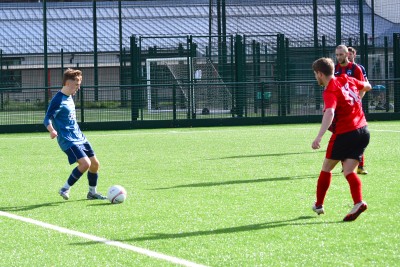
pixel 139 250
pixel 169 131
pixel 385 131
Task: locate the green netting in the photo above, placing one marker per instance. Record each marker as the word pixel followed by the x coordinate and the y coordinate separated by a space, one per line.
pixel 214 74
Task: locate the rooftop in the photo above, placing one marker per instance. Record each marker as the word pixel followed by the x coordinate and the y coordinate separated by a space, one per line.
pixel 70 25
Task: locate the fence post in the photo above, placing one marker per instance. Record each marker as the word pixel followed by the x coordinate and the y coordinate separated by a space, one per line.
pixel 239 69
pixel 396 67
pixel 135 91
pixel 262 100
pixel 350 42
pixel 191 47
pixel 62 62
pixel 362 40
pixel 244 86
pixel 232 78
pixel 387 93
pixel 338 22
pixel 81 96
pixel 95 54
pixel 123 91
pixel 317 95
pixel 365 64
pixel 253 49
pixel 174 102
pixel 45 59
pixel 324 51
pixel 315 24
pixel 288 92
pixel 281 60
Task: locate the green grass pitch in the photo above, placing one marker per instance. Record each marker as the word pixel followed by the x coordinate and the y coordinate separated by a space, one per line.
pixel 232 196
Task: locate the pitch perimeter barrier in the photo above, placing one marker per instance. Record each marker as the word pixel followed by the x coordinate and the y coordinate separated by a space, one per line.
pixel 165 105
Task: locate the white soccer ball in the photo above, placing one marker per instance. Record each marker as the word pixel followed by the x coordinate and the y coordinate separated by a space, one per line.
pixel 116 194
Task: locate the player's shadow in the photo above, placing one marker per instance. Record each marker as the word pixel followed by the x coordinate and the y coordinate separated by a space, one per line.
pixel 302 220
pixel 32 207
pixel 269 155
pixel 103 203
pixel 248 181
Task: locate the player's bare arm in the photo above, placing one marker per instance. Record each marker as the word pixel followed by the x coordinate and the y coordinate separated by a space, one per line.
pixel 326 122
pixel 367 87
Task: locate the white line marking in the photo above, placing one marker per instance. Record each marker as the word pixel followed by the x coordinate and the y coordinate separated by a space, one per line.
pixel 135 133
pixel 139 250
pixel 386 131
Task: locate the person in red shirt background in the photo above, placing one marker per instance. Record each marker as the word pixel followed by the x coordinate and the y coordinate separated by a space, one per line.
pixel 352 58
pixel 350 68
pixel 344 66
pixel 344 117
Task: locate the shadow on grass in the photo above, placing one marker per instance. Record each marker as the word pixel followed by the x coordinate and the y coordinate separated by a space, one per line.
pixel 37 206
pixel 236 229
pixel 103 203
pixel 270 155
pixel 302 220
pixel 232 182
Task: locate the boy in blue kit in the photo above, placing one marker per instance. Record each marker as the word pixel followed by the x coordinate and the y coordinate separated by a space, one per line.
pixel 60 121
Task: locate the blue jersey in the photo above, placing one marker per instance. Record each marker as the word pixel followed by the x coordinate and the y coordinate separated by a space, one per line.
pixel 61 113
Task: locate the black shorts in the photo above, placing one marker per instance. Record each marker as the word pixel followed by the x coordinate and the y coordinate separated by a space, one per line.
pixel 349 145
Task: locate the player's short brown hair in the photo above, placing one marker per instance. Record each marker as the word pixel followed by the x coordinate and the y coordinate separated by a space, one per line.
pixel 352 49
pixel 71 74
pixel 324 65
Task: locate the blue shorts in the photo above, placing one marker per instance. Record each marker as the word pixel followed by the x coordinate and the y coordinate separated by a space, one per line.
pixel 76 152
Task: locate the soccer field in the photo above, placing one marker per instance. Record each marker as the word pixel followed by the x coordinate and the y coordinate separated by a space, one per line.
pixel 231 196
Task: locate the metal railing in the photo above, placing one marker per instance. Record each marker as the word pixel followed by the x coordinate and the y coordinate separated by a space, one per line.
pixel 185 101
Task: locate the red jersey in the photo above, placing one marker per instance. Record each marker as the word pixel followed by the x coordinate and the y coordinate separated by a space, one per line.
pixel 351 69
pixel 342 94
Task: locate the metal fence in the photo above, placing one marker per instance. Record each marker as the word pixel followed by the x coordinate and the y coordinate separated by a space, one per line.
pixel 218 69
pixel 163 102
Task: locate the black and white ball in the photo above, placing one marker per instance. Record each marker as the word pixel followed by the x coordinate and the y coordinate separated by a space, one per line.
pixel 116 194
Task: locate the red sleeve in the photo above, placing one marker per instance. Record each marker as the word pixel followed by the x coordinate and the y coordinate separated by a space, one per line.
pixel 358 83
pixel 330 100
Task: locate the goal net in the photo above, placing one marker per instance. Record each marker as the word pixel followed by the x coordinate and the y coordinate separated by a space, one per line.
pixel 198 85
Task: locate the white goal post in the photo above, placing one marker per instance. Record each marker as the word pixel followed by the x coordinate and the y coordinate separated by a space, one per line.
pixel 165 61
pixel 207 90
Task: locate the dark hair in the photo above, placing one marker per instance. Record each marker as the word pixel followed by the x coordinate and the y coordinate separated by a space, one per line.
pixel 352 49
pixel 71 74
pixel 324 65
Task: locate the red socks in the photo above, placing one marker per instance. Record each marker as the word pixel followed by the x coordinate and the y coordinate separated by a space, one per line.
pixel 355 187
pixel 361 164
pixel 323 183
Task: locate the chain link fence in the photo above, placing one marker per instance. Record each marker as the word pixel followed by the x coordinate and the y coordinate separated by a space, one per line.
pixel 179 60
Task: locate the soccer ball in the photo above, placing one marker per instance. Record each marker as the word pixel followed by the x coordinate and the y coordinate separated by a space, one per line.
pixel 116 194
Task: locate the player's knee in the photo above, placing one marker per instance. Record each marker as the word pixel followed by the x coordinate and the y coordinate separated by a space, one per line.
pixel 95 165
pixel 84 164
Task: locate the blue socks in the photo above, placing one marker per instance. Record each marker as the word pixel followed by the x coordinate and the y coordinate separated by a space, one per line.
pixel 75 175
pixel 92 177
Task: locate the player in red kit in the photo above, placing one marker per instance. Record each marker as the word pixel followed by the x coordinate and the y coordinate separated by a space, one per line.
pixel 344 117
pixel 350 68
pixel 352 58
pixel 344 66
